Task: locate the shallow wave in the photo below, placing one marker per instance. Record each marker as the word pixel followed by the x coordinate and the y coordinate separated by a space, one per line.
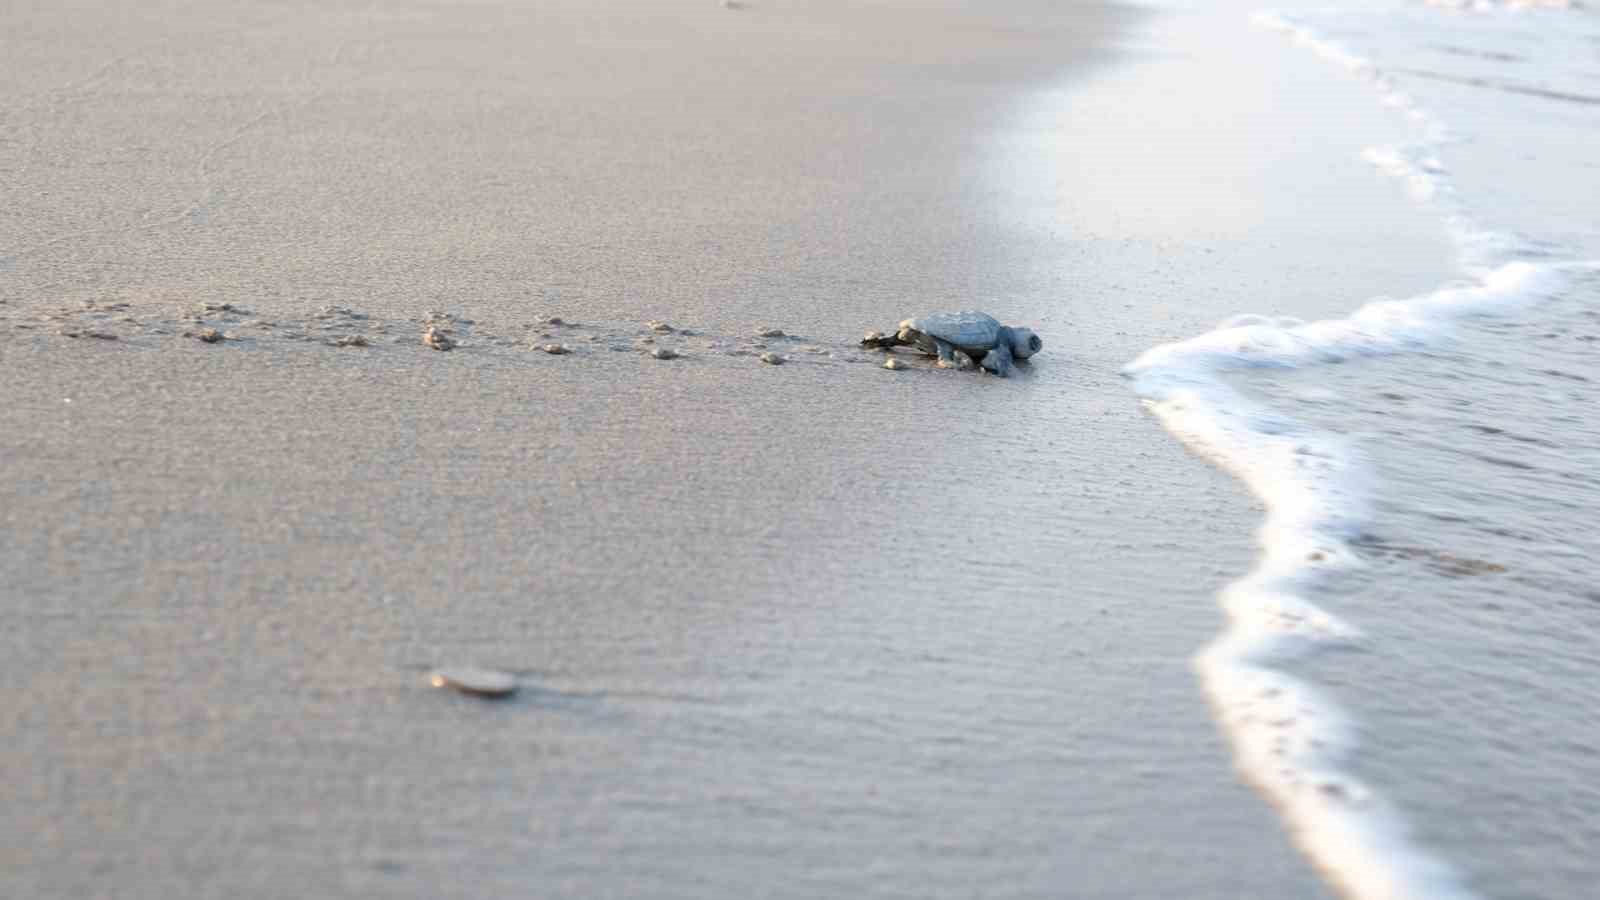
pixel 1291 741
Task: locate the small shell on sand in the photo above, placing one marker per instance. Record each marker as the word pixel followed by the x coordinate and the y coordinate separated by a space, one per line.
pixel 892 363
pixel 773 359
pixel 437 339
pixel 209 335
pixel 555 349
pixel 477 682
pixel 662 327
pixel 664 353
pixel 771 333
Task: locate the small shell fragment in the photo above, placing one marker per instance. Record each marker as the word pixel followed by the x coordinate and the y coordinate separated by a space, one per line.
pixel 664 353
pixel 892 363
pixel 438 339
pixel 661 327
pixel 555 349
pixel 477 682
pixel 209 335
pixel 772 359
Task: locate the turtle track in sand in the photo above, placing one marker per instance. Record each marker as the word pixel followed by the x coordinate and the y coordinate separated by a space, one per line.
pixel 170 324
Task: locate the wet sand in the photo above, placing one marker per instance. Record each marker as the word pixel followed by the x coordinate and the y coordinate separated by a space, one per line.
pixel 798 630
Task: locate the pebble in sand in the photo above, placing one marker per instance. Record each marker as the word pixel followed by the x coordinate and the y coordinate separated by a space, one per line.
pixel 555 349
pixel 477 682
pixel 664 353
pixel 438 339
pixel 772 359
pixel 892 363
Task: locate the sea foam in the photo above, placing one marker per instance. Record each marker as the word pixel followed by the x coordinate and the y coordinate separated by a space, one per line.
pixel 1290 740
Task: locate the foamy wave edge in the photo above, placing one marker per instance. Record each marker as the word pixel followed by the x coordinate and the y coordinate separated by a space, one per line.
pixel 1289 740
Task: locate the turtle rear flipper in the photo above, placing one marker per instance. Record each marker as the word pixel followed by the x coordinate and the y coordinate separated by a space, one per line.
pixel 877 340
pixel 952 357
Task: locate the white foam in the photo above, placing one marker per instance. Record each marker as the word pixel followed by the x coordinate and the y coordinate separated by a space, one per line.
pixel 1490 6
pixel 1289 740
pixel 1330 50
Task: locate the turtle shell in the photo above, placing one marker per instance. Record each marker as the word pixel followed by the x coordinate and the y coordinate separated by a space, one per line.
pixel 970 330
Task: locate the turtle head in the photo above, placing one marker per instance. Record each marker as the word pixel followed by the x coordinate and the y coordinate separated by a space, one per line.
pixel 1024 343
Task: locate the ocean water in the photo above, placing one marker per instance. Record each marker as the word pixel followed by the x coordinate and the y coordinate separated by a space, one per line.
pixel 1409 671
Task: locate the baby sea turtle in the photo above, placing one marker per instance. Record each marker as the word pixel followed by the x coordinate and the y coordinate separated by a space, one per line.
pixel 960 338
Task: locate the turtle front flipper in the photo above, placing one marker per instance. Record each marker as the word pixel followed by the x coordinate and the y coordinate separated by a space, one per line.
pixel 998 360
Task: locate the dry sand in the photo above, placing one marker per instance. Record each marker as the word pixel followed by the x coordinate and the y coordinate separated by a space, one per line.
pixel 818 629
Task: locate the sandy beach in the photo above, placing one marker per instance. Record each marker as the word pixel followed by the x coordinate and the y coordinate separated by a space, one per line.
pixel 808 630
